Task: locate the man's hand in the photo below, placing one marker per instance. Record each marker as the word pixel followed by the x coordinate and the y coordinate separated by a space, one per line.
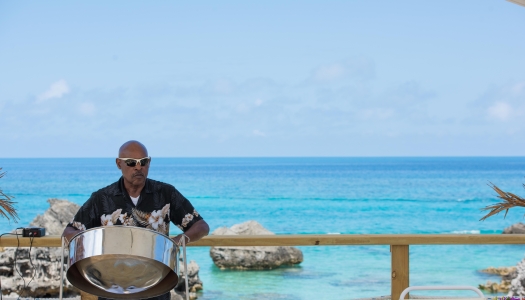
pixel 195 233
pixel 178 239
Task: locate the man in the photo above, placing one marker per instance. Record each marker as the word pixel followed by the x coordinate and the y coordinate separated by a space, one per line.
pixel 135 200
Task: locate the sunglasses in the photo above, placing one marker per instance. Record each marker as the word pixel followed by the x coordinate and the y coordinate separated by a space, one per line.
pixel 131 162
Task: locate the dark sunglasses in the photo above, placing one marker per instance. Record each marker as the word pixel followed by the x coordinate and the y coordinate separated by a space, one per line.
pixel 131 162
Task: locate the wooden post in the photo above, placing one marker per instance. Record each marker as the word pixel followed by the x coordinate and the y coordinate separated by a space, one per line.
pixel 86 296
pixel 400 270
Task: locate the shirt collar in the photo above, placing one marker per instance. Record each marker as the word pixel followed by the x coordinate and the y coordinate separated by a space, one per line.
pixel 121 190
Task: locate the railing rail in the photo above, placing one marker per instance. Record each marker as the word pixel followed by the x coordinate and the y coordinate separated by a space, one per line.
pixel 399 245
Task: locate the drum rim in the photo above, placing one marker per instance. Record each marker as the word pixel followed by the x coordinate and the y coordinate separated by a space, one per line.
pixel 121 226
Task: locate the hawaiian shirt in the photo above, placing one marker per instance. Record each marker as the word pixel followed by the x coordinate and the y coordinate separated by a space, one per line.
pixel 159 203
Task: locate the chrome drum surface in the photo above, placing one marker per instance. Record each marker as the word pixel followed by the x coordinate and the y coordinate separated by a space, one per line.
pixel 123 262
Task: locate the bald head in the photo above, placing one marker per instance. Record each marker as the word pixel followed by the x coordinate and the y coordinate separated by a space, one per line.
pixel 132 149
pixel 134 173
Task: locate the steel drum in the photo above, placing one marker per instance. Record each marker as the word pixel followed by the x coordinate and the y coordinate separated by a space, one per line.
pixel 123 262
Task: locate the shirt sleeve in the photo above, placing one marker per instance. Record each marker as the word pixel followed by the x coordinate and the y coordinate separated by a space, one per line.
pixel 86 217
pixel 183 213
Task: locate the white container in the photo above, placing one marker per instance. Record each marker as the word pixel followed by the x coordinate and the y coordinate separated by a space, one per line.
pixel 444 288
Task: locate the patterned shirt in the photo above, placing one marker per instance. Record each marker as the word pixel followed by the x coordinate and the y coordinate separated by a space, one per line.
pixel 159 203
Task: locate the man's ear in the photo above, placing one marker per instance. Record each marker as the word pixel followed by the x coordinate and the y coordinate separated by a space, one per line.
pixel 117 161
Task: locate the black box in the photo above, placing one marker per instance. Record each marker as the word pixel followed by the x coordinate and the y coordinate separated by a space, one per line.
pixel 33 232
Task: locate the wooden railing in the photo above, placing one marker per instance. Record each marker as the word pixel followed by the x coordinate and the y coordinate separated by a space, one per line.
pixel 399 245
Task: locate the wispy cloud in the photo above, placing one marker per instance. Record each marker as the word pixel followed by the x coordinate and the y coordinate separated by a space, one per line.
pixel 56 90
pixel 87 108
pixel 377 114
pixel 500 110
pixel 258 133
pixel 222 86
pixel 503 104
pixel 359 69
pixel 215 107
pixel 518 88
pixel 329 72
pixel 345 106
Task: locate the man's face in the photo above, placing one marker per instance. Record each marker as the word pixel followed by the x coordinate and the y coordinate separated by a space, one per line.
pixel 137 174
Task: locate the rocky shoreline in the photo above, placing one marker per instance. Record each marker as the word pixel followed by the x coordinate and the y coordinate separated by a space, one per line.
pixel 512 279
pixel 36 273
pixel 506 274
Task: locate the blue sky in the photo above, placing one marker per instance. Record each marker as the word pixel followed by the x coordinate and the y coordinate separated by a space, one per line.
pixel 266 78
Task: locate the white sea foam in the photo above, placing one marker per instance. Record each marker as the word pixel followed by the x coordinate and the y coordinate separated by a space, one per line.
pixel 466 232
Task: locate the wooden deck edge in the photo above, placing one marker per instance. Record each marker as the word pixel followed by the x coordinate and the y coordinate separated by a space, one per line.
pixel 313 240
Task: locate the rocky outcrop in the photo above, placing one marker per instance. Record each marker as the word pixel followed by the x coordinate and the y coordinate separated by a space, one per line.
pixel 517 286
pixel 194 282
pixel 56 217
pixel 252 257
pixel 506 273
pixel 518 228
pixel 516 277
pixel 494 287
pixel 35 272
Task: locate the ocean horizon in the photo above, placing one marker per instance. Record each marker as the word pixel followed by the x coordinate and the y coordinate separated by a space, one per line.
pixel 312 195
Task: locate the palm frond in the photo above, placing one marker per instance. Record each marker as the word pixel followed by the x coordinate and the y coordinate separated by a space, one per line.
pixel 510 200
pixel 7 208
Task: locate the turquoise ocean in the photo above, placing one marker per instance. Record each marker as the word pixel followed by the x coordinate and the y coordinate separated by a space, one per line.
pixel 313 196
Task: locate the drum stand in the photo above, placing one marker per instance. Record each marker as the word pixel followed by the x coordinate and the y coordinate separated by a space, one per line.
pixel 186 271
pixel 63 239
